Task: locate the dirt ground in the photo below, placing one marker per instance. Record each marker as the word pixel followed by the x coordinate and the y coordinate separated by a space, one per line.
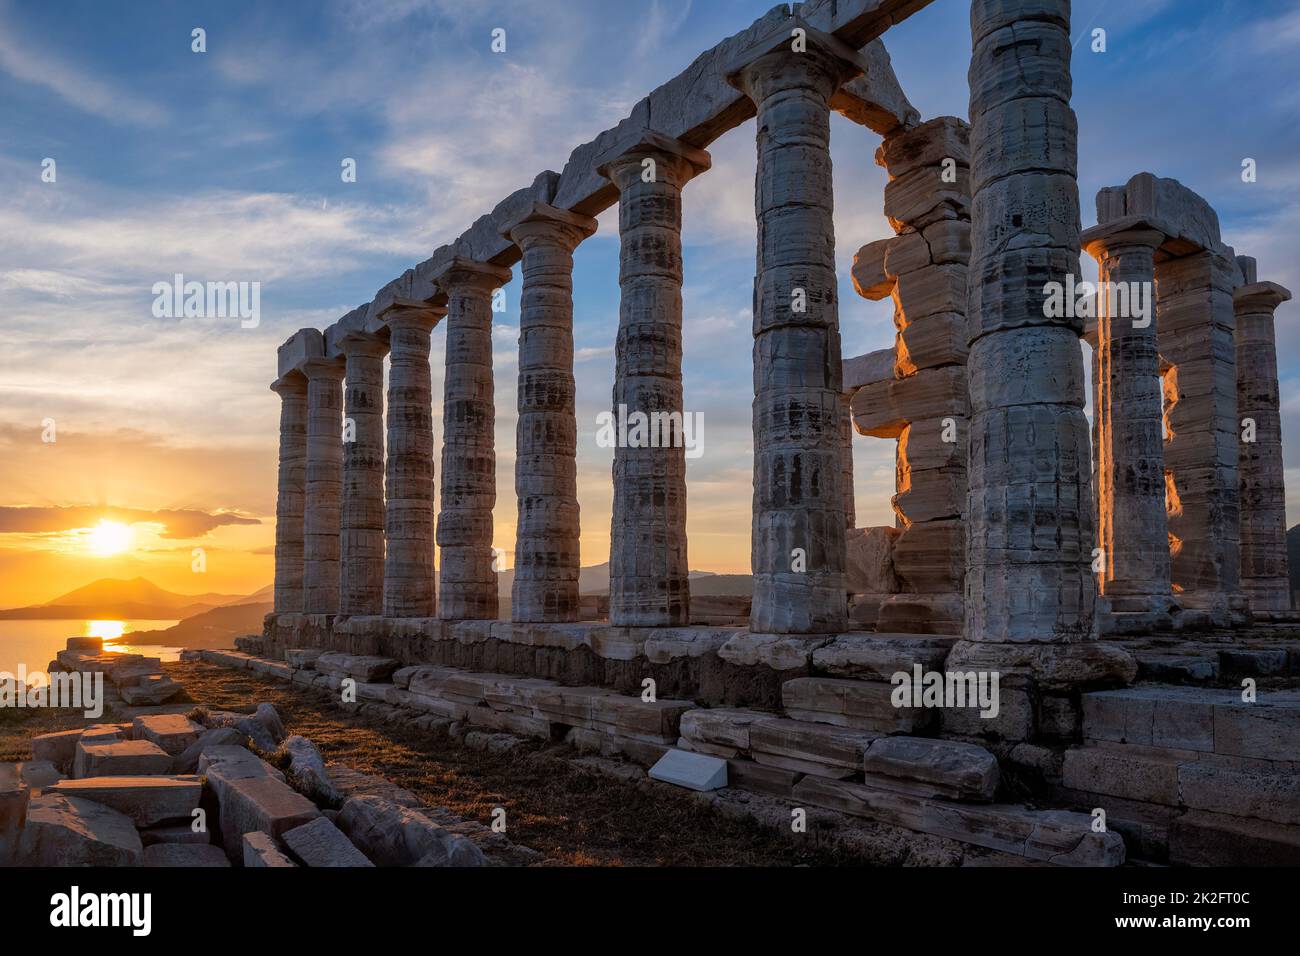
pixel 573 817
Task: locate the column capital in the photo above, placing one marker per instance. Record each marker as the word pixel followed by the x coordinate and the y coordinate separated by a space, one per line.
pixel 363 343
pixel 549 223
pixel 291 383
pixel 323 368
pixel 1260 295
pixel 685 160
pixel 1107 239
pixel 410 313
pixel 789 53
pixel 463 272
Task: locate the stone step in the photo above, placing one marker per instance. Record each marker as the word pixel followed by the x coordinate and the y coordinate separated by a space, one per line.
pixel 1059 837
pixel 1186 779
pixel 358 667
pixel 881 656
pixel 946 768
pixel 808 747
pixel 146 800
pixel 720 731
pixel 1202 719
pixel 857 704
pixel 1201 838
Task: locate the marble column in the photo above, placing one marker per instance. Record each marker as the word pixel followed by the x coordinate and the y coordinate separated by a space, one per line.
pixel 292 389
pixel 324 485
pixel 409 589
pixel 846 463
pixel 467 578
pixel 547 557
pixel 1264 571
pixel 1194 309
pixel 1128 399
pixel 798 541
pixel 1031 514
pixel 361 517
pixel 648 571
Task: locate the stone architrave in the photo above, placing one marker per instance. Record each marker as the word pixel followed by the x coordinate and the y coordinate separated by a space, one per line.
pixel 649 574
pixel 790 72
pixel 1264 571
pixel 1129 470
pixel 291 492
pixel 409 587
pixel 467 576
pixel 324 485
pixel 1031 514
pixel 547 556
pixel 361 516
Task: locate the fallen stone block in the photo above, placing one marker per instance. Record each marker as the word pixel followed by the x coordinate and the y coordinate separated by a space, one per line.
pixel 150 692
pixel 38 774
pixel 122 758
pixel 947 767
pixel 173 833
pixel 59 748
pixel 260 850
pixel 258 803
pixel 184 854
pixel 691 770
pixel 188 760
pixel 64 831
pixel 306 771
pixel 172 732
pixel 146 800
pixel 321 843
pixel 393 835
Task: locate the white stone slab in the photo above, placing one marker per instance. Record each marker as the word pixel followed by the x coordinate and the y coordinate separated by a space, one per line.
pixel 690 770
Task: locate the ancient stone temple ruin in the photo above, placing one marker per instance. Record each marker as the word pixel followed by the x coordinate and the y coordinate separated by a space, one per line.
pixel 1121 587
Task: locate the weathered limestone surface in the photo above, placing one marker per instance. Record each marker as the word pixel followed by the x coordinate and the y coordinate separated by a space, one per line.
pixel 1264 575
pixel 798 548
pixel 467 577
pixel 361 515
pixel 320 579
pixel 409 589
pixel 1129 469
pixel 648 566
pixel 547 556
pixel 147 800
pixel 66 831
pixel 920 398
pixel 1030 509
pixel 291 492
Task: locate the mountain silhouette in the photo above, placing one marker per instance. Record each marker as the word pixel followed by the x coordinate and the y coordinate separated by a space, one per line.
pixel 138 598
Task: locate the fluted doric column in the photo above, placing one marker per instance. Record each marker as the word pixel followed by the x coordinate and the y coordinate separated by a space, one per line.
pixel 547 557
pixel 409 589
pixel 292 389
pixel 1264 571
pixel 324 485
pixel 648 570
pixel 798 544
pixel 467 579
pixel 361 517
pixel 1128 403
pixel 1031 525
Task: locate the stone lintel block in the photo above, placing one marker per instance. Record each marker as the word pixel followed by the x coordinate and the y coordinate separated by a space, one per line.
pixel 651 143
pixel 1186 215
pixel 302 345
pixel 926 145
pixel 485 241
pixel 777 37
pixel 461 269
pixel 875 100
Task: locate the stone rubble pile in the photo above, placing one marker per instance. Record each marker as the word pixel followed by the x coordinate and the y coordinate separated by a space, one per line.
pixel 169 790
pixel 139 680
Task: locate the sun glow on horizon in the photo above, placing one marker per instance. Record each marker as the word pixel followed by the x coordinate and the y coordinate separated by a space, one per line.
pixel 109 538
pixel 107 630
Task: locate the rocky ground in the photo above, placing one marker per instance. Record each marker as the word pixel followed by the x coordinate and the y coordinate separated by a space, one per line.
pixel 559 808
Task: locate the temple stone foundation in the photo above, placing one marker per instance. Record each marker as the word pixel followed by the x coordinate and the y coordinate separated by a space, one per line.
pixel 1105 586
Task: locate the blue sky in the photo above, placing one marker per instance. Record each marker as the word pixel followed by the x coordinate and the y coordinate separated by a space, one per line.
pixel 225 166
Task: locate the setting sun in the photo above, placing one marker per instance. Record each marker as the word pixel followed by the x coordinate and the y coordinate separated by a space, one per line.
pixel 109 538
